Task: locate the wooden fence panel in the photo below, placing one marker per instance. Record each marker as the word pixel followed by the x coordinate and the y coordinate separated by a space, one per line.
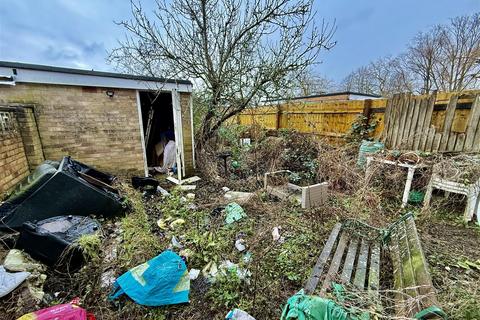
pixel 436 122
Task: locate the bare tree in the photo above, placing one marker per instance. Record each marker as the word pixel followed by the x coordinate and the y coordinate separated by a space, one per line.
pixel 311 83
pixel 240 51
pixel 359 80
pixel 421 57
pixel 458 66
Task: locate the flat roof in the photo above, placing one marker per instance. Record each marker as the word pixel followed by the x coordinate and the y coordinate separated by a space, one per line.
pixel 329 94
pixel 39 67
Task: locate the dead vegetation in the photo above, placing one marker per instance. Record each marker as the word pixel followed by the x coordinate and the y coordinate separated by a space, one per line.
pixel 276 269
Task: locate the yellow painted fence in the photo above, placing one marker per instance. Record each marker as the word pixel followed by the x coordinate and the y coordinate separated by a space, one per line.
pixel 333 119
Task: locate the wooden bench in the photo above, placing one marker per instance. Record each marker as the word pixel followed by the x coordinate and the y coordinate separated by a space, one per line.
pixel 352 255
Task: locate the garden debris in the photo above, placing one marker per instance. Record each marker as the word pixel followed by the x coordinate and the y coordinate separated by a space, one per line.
pixel 234 212
pixel 238 314
pixel 107 279
pixel 176 243
pixel 368 148
pixel 163 280
pixel 49 239
pixel 305 307
pixel 240 245
pixel 83 191
pixel 193 274
pixel 10 281
pixel 187 187
pixel 18 261
pixel 238 196
pixel 145 183
pixel 276 235
pixel 163 192
pixel 184 181
pixel 70 311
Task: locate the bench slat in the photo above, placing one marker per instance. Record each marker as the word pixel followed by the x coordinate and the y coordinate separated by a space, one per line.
pixel 322 260
pixel 337 258
pixel 420 267
pixel 349 260
pixel 409 283
pixel 374 274
pixel 397 273
pixel 359 280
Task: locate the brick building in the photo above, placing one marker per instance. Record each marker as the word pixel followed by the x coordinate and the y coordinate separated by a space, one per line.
pixel 108 120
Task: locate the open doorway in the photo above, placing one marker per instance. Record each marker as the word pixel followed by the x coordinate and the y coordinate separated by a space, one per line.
pixel 158 130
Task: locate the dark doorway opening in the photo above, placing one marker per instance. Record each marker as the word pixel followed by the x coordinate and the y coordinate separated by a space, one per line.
pixel 158 125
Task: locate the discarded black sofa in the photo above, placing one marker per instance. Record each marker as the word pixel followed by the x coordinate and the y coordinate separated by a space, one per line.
pixel 55 188
pixel 53 241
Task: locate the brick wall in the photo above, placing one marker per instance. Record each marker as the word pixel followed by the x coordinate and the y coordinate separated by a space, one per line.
pixel 13 162
pixel 30 136
pixel 83 123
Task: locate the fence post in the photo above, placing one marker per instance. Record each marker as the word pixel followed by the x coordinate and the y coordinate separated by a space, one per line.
pixel 367 112
pixel 279 115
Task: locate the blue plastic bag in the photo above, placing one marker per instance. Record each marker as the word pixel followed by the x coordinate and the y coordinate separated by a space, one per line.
pixel 160 281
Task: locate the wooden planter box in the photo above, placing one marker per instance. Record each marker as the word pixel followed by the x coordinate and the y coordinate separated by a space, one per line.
pixel 308 196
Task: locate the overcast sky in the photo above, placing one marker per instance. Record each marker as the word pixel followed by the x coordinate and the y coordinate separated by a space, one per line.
pixel 79 33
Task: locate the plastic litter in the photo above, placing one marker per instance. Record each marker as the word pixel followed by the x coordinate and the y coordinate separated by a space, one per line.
pixel 368 148
pixel 234 212
pixel 276 235
pixel 193 274
pixel 238 196
pixel 162 280
pixel 10 281
pixel 225 189
pixel 176 243
pixel 18 261
pixel 191 196
pixel 68 311
pixel 305 307
pixel 238 314
pixel 239 244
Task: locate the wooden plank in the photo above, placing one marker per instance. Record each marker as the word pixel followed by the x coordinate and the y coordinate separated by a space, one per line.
pixel 451 142
pixel 392 121
pixel 447 124
pixel 349 261
pixel 419 129
pixel 428 119
pixel 406 131
pixel 399 142
pixel 336 260
pixel 374 274
pixel 396 119
pixel 431 135
pixel 436 141
pixel 459 144
pixel 397 274
pixel 476 139
pixel 413 124
pixel 322 260
pixel 360 273
pixel 420 267
pixel 407 268
pixel 472 121
pixel 386 120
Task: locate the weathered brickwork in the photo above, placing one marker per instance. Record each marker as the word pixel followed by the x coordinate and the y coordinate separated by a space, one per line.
pixel 13 162
pixel 82 122
pixel 30 136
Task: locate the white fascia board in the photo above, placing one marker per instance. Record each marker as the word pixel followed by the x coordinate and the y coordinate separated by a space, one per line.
pixel 361 97
pixel 61 78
